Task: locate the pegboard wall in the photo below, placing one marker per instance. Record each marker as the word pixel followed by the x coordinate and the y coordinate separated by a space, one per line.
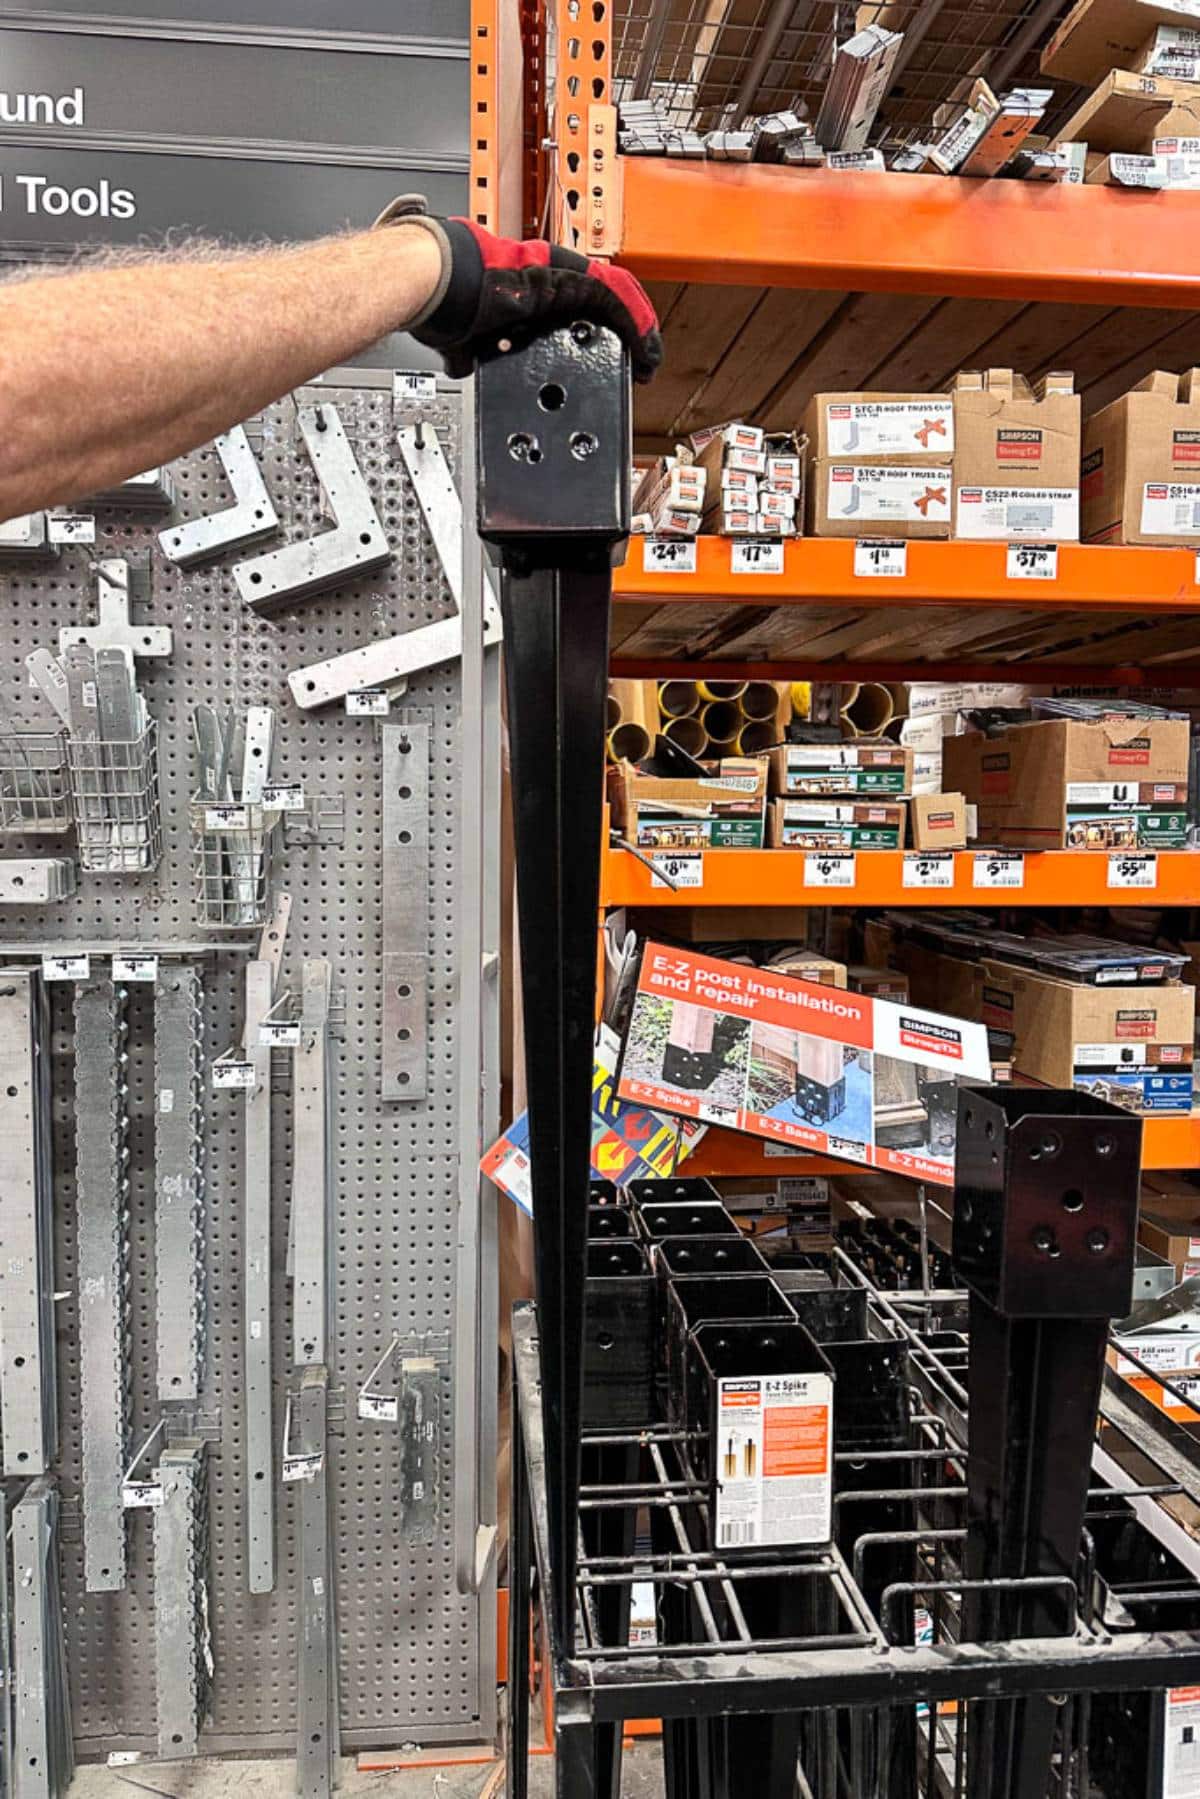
pixel 412 1665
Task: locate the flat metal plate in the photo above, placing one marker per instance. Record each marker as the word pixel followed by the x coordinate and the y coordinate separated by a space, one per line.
pixel 405 905
pixel 409 1643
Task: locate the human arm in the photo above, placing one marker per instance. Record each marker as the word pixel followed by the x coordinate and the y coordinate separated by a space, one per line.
pixel 107 371
pixel 114 369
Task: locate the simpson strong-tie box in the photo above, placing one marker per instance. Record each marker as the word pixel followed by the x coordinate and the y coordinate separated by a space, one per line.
pixel 1141 464
pixel 1016 458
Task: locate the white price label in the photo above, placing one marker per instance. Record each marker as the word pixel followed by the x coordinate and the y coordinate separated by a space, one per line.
pixel 384 1406
pixel 226 818
pixel 284 796
pixel 1133 871
pixel 279 1036
pixel 411 384
pixel 681 871
pixel 669 555
pixel 998 870
pixel 829 871
pixel 368 703
pixel 1196 572
pixel 929 870
pixel 890 559
pixel 1031 562
pixel 756 556
pixel 141 1495
pixel 302 1467
pixel 66 968
pixel 233 1075
pixel 135 968
pixel 71 527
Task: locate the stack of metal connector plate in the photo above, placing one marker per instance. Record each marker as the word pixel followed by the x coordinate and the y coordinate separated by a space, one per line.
pixel 36 1755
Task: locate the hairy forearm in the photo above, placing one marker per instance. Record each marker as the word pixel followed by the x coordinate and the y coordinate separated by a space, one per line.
pixel 107 371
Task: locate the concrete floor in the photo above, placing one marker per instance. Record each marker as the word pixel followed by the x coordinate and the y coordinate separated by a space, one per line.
pixel 275 1779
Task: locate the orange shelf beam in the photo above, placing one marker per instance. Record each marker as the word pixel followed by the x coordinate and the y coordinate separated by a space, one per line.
pixel 1166 1143
pixel 748 225
pixel 776 878
pixel 1095 577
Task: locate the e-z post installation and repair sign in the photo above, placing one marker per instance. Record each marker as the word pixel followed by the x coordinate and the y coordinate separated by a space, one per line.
pixel 815 1067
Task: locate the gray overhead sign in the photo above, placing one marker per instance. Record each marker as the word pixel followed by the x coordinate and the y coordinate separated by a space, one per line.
pixel 53 197
pixel 99 91
pixel 385 18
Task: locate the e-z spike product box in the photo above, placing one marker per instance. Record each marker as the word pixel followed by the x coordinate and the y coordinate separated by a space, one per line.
pixel 1141 464
pixel 1110 784
pixel 879 499
pixel 814 1067
pixel 867 768
pixel 1130 1045
pixel 1016 460
pixel 869 427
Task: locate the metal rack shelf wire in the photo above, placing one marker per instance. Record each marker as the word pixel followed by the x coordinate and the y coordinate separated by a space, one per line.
pixel 878 1667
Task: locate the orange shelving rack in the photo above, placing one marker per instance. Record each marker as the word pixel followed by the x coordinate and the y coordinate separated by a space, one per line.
pixel 1111 614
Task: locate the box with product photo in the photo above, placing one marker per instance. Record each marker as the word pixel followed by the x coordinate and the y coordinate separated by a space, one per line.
pixel 1016 460
pixel 761 1415
pixel 879 499
pixel 813 1067
pixel 1129 1045
pixel 938 821
pixel 1141 464
pixel 866 427
pixel 836 825
pixel 1109 784
pixel 722 811
pixel 870 767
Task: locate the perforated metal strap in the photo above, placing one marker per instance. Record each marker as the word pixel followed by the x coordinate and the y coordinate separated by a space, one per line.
pixel 178 1183
pixel 27 1375
pixel 33 1520
pixel 256 1287
pixel 312 1172
pixel 317 1729
pixel 404 899
pixel 102 1248
pixel 183 1654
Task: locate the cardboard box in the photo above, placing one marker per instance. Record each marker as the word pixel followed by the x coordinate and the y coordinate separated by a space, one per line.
pixel 1175 1239
pixel 718 455
pixel 1124 169
pixel 1141 464
pixel 828 825
pixel 1172 50
pixel 1100 35
pixel 867 767
pixel 1179 159
pixel 880 983
pixel 1016 464
pixel 1130 1045
pixel 938 821
pixel 869 427
pixel 879 500
pixel 809 965
pixel 1116 784
pixel 724 811
pixel 1127 111
pixel 927 698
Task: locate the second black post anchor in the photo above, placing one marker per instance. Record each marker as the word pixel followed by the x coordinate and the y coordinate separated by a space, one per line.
pixel 1045 1220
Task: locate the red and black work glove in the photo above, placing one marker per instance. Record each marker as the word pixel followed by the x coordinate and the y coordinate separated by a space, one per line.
pixel 493 285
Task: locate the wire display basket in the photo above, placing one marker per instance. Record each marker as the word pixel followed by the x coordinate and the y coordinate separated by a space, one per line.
pixel 35 792
pixel 234 850
pixel 114 793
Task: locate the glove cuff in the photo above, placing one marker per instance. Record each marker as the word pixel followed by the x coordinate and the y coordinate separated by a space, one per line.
pixel 409 209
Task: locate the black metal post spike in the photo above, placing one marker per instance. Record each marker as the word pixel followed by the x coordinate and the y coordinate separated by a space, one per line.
pixel 554 455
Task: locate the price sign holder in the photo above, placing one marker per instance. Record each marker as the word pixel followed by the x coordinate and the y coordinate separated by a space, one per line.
pixel 669 555
pixel 756 556
pixel 881 557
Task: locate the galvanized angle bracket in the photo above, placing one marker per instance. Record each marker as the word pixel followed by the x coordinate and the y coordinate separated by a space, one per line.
pixel 250 519
pixel 391 660
pixel 358 543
